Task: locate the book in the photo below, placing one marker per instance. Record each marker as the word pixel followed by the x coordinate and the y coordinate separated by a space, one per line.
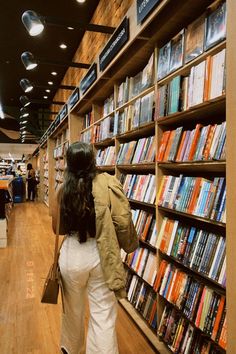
pixel 163 66
pixel 215 26
pixel 177 51
pixel 194 39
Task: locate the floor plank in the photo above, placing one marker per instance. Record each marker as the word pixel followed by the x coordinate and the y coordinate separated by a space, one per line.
pixel 26 325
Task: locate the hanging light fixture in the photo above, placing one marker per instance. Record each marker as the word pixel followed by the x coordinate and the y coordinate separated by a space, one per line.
pixel 24 101
pixel 32 22
pixel 24 112
pixel 28 60
pixel 26 85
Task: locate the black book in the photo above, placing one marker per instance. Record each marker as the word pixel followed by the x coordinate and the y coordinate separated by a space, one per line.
pixel 215 26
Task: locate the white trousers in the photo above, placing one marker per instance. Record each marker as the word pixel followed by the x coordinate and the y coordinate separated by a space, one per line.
pixel 82 276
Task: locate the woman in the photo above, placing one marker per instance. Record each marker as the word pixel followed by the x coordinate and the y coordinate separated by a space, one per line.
pixel 31 182
pixel 95 214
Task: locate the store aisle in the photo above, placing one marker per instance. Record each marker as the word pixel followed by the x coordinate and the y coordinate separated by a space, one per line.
pixel 26 325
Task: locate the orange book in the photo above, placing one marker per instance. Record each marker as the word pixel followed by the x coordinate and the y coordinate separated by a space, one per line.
pixel 195 194
pixel 194 142
pixel 170 142
pixel 153 312
pixel 163 145
pixel 160 275
pixel 166 235
pixel 210 137
pixel 146 227
pixel 180 146
pixel 175 293
pixel 218 317
pixel 161 189
pixel 138 260
pixel 208 74
pixel 172 285
pixel 223 335
pixel 200 307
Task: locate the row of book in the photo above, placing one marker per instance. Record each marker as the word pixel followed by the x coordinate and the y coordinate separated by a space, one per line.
pixel 145 226
pixel 140 187
pixel 104 130
pixel 87 136
pixel 133 86
pixel 204 33
pixel 201 143
pixel 60 151
pixel 197 249
pixel 194 195
pixel 109 105
pixel 62 137
pixel 199 303
pixel 143 262
pixel 60 164
pixel 106 156
pixel 140 151
pixel 88 119
pixel 205 81
pixel 183 338
pixel 135 115
pixel 144 300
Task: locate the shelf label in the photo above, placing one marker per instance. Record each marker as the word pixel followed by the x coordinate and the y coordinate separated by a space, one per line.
pixel 74 98
pixel 115 43
pixel 144 7
pixel 89 78
pixel 63 113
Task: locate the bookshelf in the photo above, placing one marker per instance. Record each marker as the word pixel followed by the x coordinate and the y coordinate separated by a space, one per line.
pixel 147 38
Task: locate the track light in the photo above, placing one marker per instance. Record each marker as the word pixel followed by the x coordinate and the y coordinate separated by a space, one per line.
pixel 26 85
pixel 35 23
pixel 24 112
pixel 30 62
pixel 24 101
pixel 32 23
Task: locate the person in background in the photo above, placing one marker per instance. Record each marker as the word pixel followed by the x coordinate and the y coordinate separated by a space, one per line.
pixel 95 216
pixel 18 171
pixel 31 182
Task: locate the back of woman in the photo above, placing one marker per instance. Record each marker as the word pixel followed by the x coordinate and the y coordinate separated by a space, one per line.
pixel 89 260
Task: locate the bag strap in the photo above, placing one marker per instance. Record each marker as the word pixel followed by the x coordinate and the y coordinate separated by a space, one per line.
pixel 56 249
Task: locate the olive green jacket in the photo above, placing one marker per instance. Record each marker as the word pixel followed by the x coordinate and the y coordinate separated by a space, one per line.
pixel 114 229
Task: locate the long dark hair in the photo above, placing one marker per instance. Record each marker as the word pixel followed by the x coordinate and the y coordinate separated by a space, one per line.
pixel 77 204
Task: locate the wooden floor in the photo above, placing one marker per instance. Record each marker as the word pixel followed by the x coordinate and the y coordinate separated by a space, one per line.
pixel 26 325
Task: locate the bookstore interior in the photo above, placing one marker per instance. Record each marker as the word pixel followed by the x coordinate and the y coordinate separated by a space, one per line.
pixel 153 105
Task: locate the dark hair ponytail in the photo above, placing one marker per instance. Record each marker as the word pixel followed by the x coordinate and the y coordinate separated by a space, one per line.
pixel 77 204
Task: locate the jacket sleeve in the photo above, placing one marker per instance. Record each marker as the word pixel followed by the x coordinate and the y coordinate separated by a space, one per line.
pixel 122 217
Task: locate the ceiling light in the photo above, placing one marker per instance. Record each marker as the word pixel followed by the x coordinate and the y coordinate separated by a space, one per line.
pixel 24 112
pixel 24 101
pixel 50 83
pixel 63 46
pixel 26 85
pixel 32 23
pixel 70 28
pixel 81 1
pixel 45 97
pixel 48 91
pixel 54 73
pixel 28 60
pixel 25 121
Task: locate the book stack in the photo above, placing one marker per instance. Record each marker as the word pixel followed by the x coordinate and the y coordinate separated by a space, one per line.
pixel 108 106
pixel 198 144
pixel 145 226
pixel 194 195
pixel 204 33
pixel 140 151
pixel 106 156
pixel 104 130
pixel 143 298
pixel 140 113
pixel 140 187
pixel 184 337
pixel 197 249
pixel 87 136
pixel 133 86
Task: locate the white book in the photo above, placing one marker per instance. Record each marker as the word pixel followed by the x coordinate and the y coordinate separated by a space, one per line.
pixel 132 286
pixel 215 140
pixel 222 272
pixel 217 78
pixel 196 248
pixel 215 259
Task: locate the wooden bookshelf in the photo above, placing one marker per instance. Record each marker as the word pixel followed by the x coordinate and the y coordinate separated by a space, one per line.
pixel 162 24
